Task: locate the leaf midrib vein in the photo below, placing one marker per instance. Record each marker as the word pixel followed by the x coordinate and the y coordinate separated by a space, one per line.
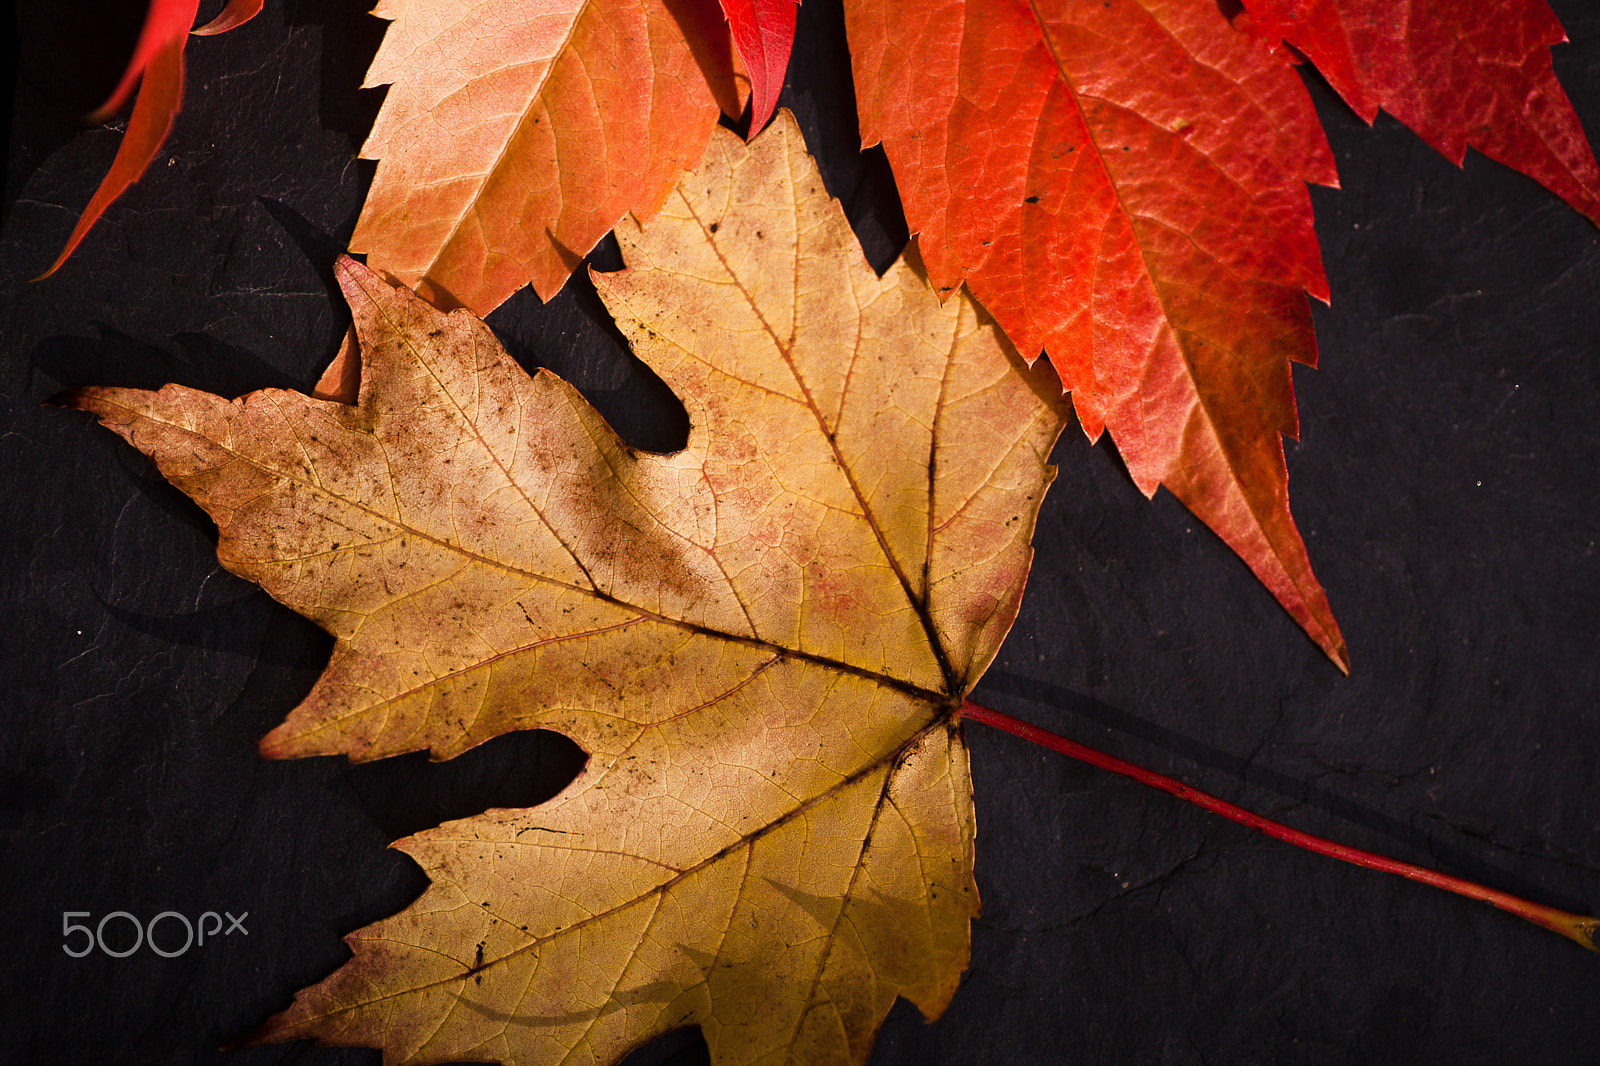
pixel 917 603
pixel 534 97
pixel 844 902
pixel 896 683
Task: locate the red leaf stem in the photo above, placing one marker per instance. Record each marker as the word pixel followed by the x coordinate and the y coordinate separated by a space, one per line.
pixel 1573 926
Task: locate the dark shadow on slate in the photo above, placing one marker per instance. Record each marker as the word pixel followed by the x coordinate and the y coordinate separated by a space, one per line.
pixel 1302 793
pixel 157 491
pixel 573 336
pixel 293 653
pixel 740 125
pixel 114 358
pixel 685 1047
pixel 820 90
pixel 408 793
pixel 67 56
pixel 236 627
pixel 350 39
pixel 320 248
pixel 24 791
pixel 10 57
pixel 76 49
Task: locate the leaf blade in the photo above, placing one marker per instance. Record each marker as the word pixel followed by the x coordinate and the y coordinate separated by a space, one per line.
pixel 168 21
pixel 154 111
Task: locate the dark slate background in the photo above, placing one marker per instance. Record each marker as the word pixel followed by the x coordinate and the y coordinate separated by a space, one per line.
pixel 1445 481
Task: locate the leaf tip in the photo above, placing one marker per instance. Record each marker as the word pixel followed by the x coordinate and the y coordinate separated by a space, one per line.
pixel 361 284
pixel 76 399
pixel 1316 618
pixel 1314 614
pixel 348 270
pixel 278 745
pixel 154 111
pixel 66 250
pixel 236 14
pixel 275 1030
pixel 97 400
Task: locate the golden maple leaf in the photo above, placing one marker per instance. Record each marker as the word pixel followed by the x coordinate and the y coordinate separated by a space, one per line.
pixel 516 133
pixel 762 640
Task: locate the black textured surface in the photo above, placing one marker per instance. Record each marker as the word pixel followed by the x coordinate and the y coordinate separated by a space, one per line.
pixel 1445 481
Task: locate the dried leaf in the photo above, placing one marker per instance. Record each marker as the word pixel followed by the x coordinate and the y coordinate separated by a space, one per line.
pixel 516 134
pixel 760 640
pixel 1123 186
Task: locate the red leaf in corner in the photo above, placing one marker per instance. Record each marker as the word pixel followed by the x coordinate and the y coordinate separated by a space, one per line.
pixel 157 68
pixel 236 14
pixel 166 22
pixel 1122 185
pixel 1457 72
pixel 763 32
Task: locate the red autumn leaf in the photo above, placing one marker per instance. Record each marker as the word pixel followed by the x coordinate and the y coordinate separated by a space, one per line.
pixel 763 32
pixel 168 21
pixel 1457 72
pixel 157 68
pixel 1122 185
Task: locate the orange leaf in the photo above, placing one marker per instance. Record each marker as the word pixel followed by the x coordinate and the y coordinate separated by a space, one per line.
pixel 1457 72
pixel 1122 185
pixel 514 137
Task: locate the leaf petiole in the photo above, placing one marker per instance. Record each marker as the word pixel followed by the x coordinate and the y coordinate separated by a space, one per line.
pixel 1575 927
